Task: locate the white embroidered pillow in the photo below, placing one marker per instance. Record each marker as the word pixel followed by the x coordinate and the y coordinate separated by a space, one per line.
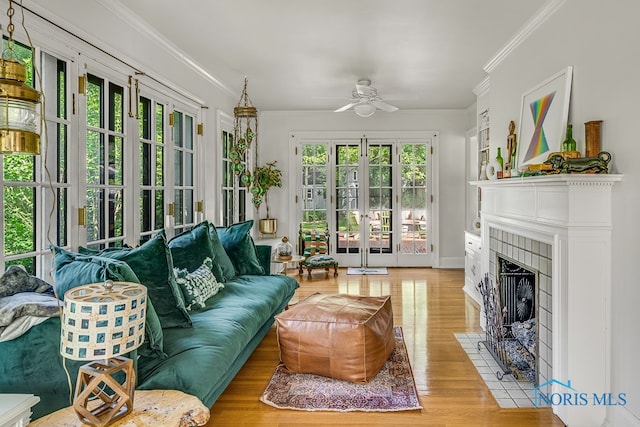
pixel 197 286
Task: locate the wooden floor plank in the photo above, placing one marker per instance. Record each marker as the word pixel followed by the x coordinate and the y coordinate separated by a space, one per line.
pixel 430 306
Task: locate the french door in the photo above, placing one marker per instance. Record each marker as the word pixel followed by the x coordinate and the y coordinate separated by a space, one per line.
pixel 378 212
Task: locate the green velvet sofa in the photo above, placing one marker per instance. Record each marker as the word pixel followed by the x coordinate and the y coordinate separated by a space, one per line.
pixel 198 350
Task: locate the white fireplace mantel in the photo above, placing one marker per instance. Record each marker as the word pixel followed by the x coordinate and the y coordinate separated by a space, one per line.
pixel 572 213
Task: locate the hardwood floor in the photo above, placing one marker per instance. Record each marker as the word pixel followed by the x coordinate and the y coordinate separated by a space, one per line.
pixel 430 306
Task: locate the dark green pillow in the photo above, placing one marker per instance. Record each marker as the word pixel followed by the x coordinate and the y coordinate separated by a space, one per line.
pixel 153 265
pixel 71 270
pixel 190 248
pixel 154 343
pixel 238 244
pixel 222 258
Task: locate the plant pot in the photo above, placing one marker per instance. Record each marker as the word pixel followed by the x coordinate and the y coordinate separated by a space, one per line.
pixel 268 226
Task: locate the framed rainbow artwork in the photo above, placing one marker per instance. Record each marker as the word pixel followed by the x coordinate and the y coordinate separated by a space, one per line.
pixel 543 118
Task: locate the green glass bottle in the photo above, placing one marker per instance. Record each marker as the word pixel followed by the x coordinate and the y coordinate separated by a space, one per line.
pixel 500 160
pixel 569 144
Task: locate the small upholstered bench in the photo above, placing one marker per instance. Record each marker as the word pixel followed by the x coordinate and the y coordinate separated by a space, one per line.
pixel 345 337
pixel 314 247
pixel 318 261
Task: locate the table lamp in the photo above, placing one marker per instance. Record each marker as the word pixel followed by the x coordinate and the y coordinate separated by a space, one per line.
pixel 103 321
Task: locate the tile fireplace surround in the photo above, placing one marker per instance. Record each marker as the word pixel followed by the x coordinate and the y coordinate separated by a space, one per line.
pixel 572 215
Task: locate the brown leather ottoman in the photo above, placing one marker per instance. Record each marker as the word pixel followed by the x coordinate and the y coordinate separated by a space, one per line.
pixel 339 336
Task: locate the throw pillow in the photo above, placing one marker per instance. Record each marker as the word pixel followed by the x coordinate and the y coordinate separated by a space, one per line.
pixel 238 244
pixel 221 256
pixel 71 270
pixel 153 265
pixel 197 286
pixel 190 248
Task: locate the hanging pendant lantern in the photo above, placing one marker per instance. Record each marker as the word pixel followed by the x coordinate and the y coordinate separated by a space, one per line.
pixel 245 130
pixel 19 112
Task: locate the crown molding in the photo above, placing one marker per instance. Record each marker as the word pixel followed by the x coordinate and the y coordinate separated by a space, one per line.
pixel 482 87
pixel 143 27
pixel 541 16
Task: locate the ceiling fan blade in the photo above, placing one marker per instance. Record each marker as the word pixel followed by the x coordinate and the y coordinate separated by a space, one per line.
pixel 346 107
pixel 384 106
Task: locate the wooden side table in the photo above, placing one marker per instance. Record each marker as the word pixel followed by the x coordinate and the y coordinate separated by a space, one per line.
pixel 294 260
pixel 170 408
pixel 15 409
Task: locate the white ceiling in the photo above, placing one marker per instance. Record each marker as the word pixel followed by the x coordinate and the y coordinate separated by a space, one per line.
pixel 419 53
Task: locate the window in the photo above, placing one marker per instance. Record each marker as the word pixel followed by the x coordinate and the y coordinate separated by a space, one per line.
pixel 31 188
pixel 183 171
pixel 234 194
pixel 152 149
pixel 105 138
pixel 314 182
pixel 107 175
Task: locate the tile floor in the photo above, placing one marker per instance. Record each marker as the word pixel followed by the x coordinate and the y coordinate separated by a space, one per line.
pixel 508 392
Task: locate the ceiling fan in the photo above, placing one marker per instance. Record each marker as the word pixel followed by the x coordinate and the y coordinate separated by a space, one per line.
pixel 365 100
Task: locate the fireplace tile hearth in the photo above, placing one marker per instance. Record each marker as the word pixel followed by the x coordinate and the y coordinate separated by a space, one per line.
pixel 508 392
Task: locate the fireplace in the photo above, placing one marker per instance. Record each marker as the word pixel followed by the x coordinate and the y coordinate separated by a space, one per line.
pixel 521 269
pixel 559 226
pixel 517 286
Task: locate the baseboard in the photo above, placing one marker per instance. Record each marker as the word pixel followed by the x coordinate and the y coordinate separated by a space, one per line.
pixel 620 416
pixel 451 262
pixel 475 297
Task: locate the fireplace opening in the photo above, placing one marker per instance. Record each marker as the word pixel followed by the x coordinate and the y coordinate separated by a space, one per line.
pixel 517 285
pixel 510 313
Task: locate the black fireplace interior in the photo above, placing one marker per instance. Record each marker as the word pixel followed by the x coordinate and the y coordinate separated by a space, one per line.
pixel 510 313
pixel 517 291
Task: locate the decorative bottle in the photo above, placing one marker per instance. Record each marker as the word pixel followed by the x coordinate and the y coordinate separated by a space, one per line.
pixel 569 144
pixel 285 249
pixel 500 160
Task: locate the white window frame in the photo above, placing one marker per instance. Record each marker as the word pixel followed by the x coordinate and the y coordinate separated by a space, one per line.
pixel 81 57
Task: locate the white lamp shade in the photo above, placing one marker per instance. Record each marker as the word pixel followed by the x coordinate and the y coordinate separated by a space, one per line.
pixel 98 323
pixel 364 110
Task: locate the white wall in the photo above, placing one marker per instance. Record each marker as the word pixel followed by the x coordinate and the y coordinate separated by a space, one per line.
pixel 275 127
pixel 601 41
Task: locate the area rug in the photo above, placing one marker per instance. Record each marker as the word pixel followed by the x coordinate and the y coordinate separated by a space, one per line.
pixel 393 389
pixel 366 270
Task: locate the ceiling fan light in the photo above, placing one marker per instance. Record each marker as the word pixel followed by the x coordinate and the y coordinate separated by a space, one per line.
pixel 364 110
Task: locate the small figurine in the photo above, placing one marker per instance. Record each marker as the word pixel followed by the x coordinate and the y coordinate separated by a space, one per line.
pixel 598 164
pixel 511 150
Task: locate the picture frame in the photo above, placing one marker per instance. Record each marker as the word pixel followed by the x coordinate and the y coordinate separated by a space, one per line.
pixel 543 118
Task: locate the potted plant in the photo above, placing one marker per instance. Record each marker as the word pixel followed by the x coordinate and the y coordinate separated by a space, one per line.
pixel 262 179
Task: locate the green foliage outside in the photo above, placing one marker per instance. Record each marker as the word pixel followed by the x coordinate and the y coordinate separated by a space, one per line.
pixel 20 200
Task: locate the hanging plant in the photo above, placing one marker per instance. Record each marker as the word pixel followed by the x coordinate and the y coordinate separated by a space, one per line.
pixel 245 129
pixel 259 183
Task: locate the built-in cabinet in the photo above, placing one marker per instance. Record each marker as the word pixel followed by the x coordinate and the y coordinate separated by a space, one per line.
pixel 472 265
pixel 477 159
